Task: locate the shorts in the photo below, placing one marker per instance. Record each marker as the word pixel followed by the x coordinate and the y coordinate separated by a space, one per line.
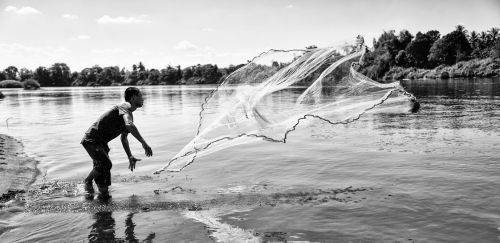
pixel 102 164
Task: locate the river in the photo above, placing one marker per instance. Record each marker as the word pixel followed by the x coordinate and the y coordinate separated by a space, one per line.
pixel 429 176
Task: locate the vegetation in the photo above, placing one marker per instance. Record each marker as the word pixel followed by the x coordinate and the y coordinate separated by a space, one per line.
pixel 31 84
pixel 394 56
pixel 428 55
pixel 487 67
pixel 10 84
pixel 60 74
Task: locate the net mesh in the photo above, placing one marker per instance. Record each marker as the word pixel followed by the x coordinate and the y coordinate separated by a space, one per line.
pixel 279 90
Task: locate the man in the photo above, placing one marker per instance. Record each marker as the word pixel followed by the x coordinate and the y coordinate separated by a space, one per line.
pixel 118 120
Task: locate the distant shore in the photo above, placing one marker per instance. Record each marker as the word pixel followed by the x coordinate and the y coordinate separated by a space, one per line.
pixel 17 171
pixel 476 68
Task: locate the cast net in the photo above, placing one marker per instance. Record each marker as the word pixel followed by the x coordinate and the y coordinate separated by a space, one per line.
pixel 278 91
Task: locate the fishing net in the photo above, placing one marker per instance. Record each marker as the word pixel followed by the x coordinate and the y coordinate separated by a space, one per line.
pixel 279 90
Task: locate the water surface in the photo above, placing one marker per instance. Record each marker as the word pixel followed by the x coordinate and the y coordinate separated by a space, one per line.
pixel 429 176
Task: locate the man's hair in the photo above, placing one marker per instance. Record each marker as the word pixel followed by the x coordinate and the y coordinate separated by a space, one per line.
pixel 130 92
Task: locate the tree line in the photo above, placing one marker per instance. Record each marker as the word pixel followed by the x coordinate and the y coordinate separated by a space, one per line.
pixel 424 50
pixel 429 50
pixel 59 74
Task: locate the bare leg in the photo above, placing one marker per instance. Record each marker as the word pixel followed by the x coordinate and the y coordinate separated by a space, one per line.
pixel 90 177
pixel 103 193
pixel 89 187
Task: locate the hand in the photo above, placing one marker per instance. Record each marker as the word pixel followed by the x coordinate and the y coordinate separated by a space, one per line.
pixel 147 150
pixel 132 160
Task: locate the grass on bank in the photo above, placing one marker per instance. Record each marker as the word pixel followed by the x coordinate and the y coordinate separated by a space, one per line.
pixel 481 68
pixel 29 84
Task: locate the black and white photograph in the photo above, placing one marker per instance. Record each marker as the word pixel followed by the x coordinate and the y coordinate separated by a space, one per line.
pixel 249 121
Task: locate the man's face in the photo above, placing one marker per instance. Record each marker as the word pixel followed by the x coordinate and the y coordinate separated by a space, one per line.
pixel 137 100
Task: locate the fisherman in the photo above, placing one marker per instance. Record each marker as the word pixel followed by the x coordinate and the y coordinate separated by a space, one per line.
pixel 415 105
pixel 118 120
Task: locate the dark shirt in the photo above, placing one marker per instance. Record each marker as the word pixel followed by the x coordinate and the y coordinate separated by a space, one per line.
pixel 109 125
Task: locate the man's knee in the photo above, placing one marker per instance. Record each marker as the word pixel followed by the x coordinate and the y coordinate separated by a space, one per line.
pixel 103 164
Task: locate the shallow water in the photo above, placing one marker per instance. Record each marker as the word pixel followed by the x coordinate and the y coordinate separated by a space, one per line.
pixel 430 176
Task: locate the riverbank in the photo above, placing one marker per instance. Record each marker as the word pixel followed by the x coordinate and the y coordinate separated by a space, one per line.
pixel 476 68
pixel 17 171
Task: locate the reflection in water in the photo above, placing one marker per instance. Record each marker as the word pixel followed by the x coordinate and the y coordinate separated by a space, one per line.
pixel 103 229
pixel 454 88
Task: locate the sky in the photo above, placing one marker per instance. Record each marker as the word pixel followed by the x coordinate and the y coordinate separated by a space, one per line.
pixel 84 33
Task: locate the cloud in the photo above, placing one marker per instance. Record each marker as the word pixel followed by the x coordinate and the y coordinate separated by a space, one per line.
pixel 31 56
pixel 69 16
pixel 207 51
pixel 22 50
pixel 234 54
pixel 289 6
pixel 141 52
pixel 207 29
pixel 185 46
pixel 107 51
pixel 141 19
pixel 22 10
pixel 207 54
pixel 191 50
pixel 81 37
pixel 210 55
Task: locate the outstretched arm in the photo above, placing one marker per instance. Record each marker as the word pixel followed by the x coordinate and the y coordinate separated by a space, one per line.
pixel 125 144
pixel 132 160
pixel 129 124
pixel 133 130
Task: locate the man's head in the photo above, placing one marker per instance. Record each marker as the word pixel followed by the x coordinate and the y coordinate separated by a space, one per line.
pixel 134 97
